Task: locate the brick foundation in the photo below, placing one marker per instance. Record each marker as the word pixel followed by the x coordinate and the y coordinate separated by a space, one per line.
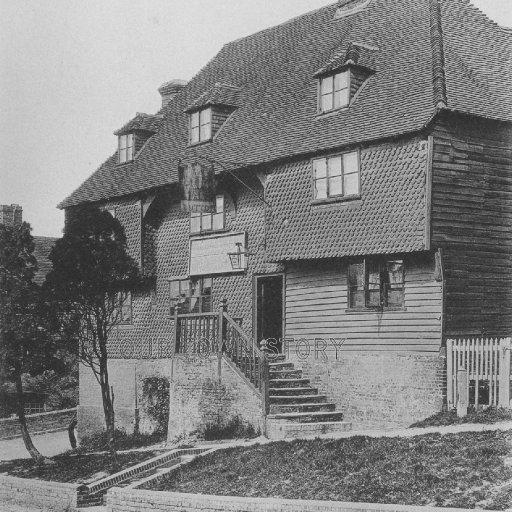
pixel 378 389
pixel 38 493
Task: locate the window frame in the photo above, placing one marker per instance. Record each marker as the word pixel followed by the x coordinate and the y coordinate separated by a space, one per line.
pixel 128 150
pixel 332 77
pixel 210 218
pixel 121 306
pixel 186 296
pixel 382 262
pixel 328 177
pixel 200 113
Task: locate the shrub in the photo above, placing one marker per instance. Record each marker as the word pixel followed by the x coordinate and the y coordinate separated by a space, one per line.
pixel 98 441
pixel 155 401
pixel 236 428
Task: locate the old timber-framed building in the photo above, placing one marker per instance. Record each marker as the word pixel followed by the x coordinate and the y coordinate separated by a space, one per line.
pixel 364 175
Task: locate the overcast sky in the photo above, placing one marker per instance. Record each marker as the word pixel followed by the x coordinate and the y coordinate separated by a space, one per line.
pixel 72 72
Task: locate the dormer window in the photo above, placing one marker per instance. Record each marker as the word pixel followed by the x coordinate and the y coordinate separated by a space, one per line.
pixel 200 126
pixel 334 91
pixel 125 148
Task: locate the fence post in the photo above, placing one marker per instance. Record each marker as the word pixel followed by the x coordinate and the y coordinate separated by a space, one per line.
pixel 449 373
pixel 220 334
pixel 176 330
pixel 504 376
pixel 462 393
pixel 264 381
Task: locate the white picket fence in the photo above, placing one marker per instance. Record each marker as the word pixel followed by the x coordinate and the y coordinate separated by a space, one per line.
pixel 485 366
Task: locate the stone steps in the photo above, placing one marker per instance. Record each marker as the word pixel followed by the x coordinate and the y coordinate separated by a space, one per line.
pixel 301 407
pixel 288 383
pixel 308 417
pixel 285 373
pixel 297 399
pixel 280 366
pixel 292 391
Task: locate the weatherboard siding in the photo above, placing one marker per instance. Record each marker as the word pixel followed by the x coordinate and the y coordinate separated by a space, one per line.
pixel 472 223
pixel 317 302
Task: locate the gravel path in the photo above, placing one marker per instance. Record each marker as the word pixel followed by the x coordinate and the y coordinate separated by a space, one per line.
pixel 48 444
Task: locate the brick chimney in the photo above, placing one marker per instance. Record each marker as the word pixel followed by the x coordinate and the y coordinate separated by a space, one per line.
pixel 170 89
pixel 11 215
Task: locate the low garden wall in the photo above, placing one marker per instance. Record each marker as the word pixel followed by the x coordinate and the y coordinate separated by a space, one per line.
pixel 41 422
pixel 127 500
pixel 38 493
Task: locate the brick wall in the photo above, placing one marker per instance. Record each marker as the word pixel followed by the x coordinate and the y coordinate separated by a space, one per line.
pixel 198 396
pixel 38 493
pixel 378 389
pixel 124 500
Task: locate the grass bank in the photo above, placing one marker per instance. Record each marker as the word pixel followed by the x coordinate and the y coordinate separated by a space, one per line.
pixel 455 470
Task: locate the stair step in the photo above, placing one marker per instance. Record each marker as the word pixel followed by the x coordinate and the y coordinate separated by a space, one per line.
pixel 280 365
pixel 292 399
pixel 276 359
pixel 288 383
pixel 285 374
pixel 308 417
pixel 292 391
pixel 301 407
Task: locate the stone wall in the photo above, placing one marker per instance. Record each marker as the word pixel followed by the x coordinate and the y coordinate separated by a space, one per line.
pixel 127 500
pixel 199 396
pixel 38 493
pixel 378 389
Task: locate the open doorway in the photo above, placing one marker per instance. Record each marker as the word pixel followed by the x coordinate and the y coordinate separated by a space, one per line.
pixel 269 308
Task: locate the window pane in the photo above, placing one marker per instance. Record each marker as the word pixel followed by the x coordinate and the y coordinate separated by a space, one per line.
pixel 205 131
pixel 195 223
pixel 129 153
pixel 122 156
pixel 218 221
pixel 394 285
pixel 320 167
pixel 341 98
pixel 129 140
pixel 219 204
pixel 350 162
pixel 194 134
pixel 357 298
pixel 327 103
pixel 207 221
pixel 356 274
pixel 122 142
pixel 194 120
pixel 373 284
pixel 335 186
pixel 207 286
pixel 127 313
pixel 335 166
pixel 321 188
pixel 206 116
pixel 341 81
pixel 351 184
pixel 326 85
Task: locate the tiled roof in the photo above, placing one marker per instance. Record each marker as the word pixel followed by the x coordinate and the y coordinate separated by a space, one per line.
pixel 350 53
pixel 389 218
pixel 144 122
pixel 219 94
pixel 42 247
pixel 274 70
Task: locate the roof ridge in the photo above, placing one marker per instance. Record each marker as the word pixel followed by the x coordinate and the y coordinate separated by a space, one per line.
pixel 438 63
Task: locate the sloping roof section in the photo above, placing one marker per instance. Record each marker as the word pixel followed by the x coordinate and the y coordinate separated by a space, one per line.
pixel 274 71
pixel 141 122
pixel 219 94
pixel 42 247
pixel 357 54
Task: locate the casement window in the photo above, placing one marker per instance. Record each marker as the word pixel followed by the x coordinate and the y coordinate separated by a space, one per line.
pixel 191 295
pixel 205 222
pixel 125 148
pixel 201 126
pixel 123 311
pixel 337 176
pixel 376 283
pixel 334 91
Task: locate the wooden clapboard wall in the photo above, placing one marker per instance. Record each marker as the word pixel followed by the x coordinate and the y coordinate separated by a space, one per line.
pixel 317 301
pixel 472 222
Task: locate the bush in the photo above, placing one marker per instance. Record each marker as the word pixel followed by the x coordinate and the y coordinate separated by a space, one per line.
pixel 236 428
pixel 98 441
pixel 488 415
pixel 155 402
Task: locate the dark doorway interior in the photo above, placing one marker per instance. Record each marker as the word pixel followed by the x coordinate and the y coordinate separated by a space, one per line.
pixel 269 308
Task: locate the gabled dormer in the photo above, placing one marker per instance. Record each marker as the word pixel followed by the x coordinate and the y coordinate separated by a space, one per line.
pixel 210 111
pixel 340 79
pixel 134 134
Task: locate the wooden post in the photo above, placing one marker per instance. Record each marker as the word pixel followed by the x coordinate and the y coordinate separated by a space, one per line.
pixel 264 383
pixel 504 376
pixel 176 330
pixel 462 393
pixel 220 334
pixel 449 373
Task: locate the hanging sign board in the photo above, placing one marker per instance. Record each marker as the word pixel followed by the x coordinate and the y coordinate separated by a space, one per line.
pixel 211 255
pixel 197 188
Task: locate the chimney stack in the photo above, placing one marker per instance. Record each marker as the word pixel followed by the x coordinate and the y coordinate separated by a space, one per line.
pixel 170 89
pixel 11 215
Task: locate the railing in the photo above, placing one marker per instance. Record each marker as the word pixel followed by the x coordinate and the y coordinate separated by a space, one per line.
pixel 219 333
pixel 482 366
